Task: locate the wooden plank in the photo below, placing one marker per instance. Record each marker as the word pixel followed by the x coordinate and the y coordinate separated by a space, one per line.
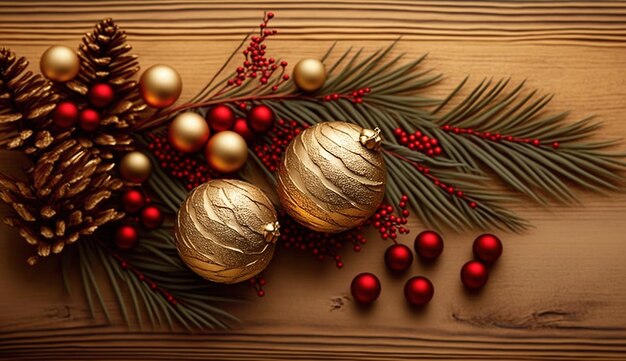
pixel 557 293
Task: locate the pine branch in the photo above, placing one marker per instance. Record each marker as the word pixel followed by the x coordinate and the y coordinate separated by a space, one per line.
pixel 537 154
pixel 154 281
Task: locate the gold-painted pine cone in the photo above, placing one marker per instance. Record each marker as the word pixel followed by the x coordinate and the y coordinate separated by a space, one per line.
pixel 332 177
pixel 226 230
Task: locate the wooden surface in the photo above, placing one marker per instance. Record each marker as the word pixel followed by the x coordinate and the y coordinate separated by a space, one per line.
pixel 559 292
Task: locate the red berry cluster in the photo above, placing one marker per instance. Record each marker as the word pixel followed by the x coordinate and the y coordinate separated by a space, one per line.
pixel 258 282
pixel 496 137
pixel 418 142
pixel 387 223
pixel 187 168
pixel 257 65
pixel 280 137
pixel 321 245
pixel 355 96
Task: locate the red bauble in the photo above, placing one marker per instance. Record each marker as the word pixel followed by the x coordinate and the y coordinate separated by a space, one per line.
pixel 487 248
pixel 133 200
pixel 89 120
pixel 65 114
pixel 428 245
pixel 419 291
pixel 126 237
pixel 241 127
pixel 100 95
pixel 474 274
pixel 220 117
pixel 398 257
pixel 151 217
pixel 261 118
pixel 365 288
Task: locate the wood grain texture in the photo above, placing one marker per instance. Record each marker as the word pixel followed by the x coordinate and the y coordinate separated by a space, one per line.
pixel 558 293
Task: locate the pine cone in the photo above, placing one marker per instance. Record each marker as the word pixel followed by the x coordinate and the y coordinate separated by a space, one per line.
pixel 105 58
pixel 64 197
pixel 26 101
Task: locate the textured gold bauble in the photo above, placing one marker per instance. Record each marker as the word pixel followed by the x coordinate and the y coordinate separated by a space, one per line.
pixel 160 86
pixel 59 63
pixel 188 132
pixel 135 167
pixel 226 230
pixel 309 74
pixel 226 151
pixel 332 176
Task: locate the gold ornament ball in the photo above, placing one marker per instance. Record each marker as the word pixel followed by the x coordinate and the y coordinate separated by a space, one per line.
pixel 188 132
pixel 160 86
pixel 309 74
pixel 135 167
pixel 59 63
pixel 332 177
pixel 226 151
pixel 226 230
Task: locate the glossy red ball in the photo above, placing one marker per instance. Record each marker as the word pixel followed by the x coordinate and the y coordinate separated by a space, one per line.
pixel 398 257
pixel 220 117
pixel 261 118
pixel 474 274
pixel 487 248
pixel 133 200
pixel 428 245
pixel 101 95
pixel 151 217
pixel 365 288
pixel 89 120
pixel 241 127
pixel 418 291
pixel 65 114
pixel 126 237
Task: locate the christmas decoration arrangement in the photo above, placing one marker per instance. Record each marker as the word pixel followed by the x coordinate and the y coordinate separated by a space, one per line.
pixel 173 199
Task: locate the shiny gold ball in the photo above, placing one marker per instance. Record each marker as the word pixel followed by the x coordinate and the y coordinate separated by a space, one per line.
pixel 160 86
pixel 332 177
pixel 59 63
pixel 226 230
pixel 188 132
pixel 226 151
pixel 309 75
pixel 135 167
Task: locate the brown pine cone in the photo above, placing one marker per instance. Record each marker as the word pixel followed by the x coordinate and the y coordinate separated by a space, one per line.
pixel 26 101
pixel 64 198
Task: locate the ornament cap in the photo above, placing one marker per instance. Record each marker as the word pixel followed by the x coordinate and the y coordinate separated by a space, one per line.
pixel 371 139
pixel 271 232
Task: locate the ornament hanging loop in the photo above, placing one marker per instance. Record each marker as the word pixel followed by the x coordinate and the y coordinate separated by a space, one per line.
pixel 371 139
pixel 271 232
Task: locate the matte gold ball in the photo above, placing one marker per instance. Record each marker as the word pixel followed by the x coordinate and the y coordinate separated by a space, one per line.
pixel 226 151
pixel 332 177
pixel 59 63
pixel 160 86
pixel 226 230
pixel 188 132
pixel 135 167
pixel 309 74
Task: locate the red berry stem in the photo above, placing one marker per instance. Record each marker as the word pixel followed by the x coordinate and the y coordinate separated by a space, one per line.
pixel 418 142
pixel 496 137
pixel 388 224
pixel 355 96
pixel 126 266
pixel 257 282
pixel 449 189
